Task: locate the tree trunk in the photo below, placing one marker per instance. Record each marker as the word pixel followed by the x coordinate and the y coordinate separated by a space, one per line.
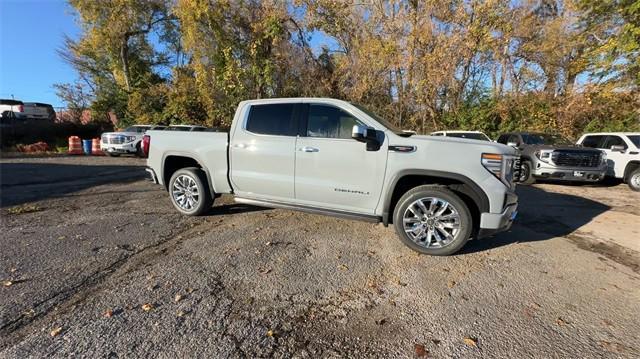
pixel 124 58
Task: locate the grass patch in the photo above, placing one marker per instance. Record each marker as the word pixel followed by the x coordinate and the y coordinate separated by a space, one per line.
pixel 24 209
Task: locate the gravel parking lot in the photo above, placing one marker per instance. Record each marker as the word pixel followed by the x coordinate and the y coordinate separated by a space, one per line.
pixel 95 261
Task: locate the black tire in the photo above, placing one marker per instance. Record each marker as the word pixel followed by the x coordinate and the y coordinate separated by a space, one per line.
pixel 204 197
pixel 428 191
pixel 111 154
pixel 633 181
pixel 526 178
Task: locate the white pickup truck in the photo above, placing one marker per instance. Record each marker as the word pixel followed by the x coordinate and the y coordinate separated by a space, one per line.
pixel 333 157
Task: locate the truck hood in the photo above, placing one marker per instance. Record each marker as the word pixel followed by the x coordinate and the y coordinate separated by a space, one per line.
pixel 485 146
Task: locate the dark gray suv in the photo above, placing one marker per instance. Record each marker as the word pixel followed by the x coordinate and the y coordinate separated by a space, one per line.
pixel 546 156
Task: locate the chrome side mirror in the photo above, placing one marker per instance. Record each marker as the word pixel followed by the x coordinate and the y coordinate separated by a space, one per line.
pixel 512 144
pixel 359 133
pixel 366 135
pixel 617 148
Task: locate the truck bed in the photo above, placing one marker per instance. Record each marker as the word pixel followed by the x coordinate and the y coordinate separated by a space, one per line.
pixel 208 148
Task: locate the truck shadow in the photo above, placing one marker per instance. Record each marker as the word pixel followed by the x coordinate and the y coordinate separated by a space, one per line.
pixel 542 215
pixel 234 208
pixel 23 182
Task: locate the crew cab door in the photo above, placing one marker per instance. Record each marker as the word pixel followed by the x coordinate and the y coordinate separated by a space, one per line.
pixel 333 170
pixel 262 152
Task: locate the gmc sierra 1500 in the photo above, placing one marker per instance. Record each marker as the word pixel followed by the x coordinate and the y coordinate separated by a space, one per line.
pixel 333 157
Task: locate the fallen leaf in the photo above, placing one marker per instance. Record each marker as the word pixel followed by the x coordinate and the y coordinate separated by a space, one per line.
pixel 420 350
pixel 561 321
pixel 180 313
pixel 343 267
pixel 381 321
pixel 451 284
pixel 147 307
pixel 61 238
pixel 56 331
pixel 177 298
pixel 270 333
pixel 108 313
pixel 472 342
pixel 265 271
pixel 7 283
pixel 268 244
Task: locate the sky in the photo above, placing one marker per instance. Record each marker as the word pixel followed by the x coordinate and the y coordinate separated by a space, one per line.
pixel 30 33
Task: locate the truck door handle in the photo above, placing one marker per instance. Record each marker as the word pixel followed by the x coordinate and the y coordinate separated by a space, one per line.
pixel 308 149
pixel 239 145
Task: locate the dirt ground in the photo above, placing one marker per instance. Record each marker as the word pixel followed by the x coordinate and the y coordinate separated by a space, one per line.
pixel 95 262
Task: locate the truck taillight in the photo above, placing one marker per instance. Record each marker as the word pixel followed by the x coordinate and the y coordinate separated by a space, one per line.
pixel 146 143
pixel 20 108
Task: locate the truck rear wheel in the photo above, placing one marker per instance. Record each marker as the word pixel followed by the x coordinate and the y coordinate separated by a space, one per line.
pixel 189 191
pixel 432 220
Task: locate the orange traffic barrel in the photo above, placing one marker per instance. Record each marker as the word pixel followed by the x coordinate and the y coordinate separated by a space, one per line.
pixel 75 145
pixel 95 147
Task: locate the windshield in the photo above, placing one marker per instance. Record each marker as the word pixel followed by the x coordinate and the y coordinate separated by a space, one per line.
pixel 544 139
pixel 470 135
pixel 138 129
pixel 635 139
pixel 383 122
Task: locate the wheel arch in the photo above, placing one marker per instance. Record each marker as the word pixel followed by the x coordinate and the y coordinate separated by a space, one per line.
pixel 175 161
pixel 629 168
pixel 473 196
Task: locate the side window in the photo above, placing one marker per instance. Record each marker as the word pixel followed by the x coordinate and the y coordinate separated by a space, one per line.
pixel 272 119
pixel 329 122
pixel 514 139
pixel 593 141
pixel 503 139
pixel 437 134
pixel 614 141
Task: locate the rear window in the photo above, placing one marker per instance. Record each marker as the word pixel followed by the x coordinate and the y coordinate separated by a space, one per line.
pixel 635 139
pixel 272 119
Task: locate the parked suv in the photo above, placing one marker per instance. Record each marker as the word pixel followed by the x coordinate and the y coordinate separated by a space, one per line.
pixel 333 157
pixel 39 111
pixel 126 141
pixel 545 156
pixel 623 154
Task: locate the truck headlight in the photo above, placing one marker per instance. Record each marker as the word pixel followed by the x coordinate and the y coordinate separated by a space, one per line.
pixel 603 157
pixel 544 155
pixel 500 166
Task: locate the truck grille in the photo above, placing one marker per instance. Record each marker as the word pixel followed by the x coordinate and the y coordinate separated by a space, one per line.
pixel 566 158
pixel 113 140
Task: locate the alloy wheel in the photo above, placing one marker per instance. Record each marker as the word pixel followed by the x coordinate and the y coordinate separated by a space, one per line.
pixel 185 192
pixel 431 222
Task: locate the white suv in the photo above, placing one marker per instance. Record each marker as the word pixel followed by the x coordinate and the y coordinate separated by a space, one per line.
pixel 623 154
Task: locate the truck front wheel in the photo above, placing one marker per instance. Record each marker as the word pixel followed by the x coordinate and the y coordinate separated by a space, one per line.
pixel 432 220
pixel 189 191
pixel 634 180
